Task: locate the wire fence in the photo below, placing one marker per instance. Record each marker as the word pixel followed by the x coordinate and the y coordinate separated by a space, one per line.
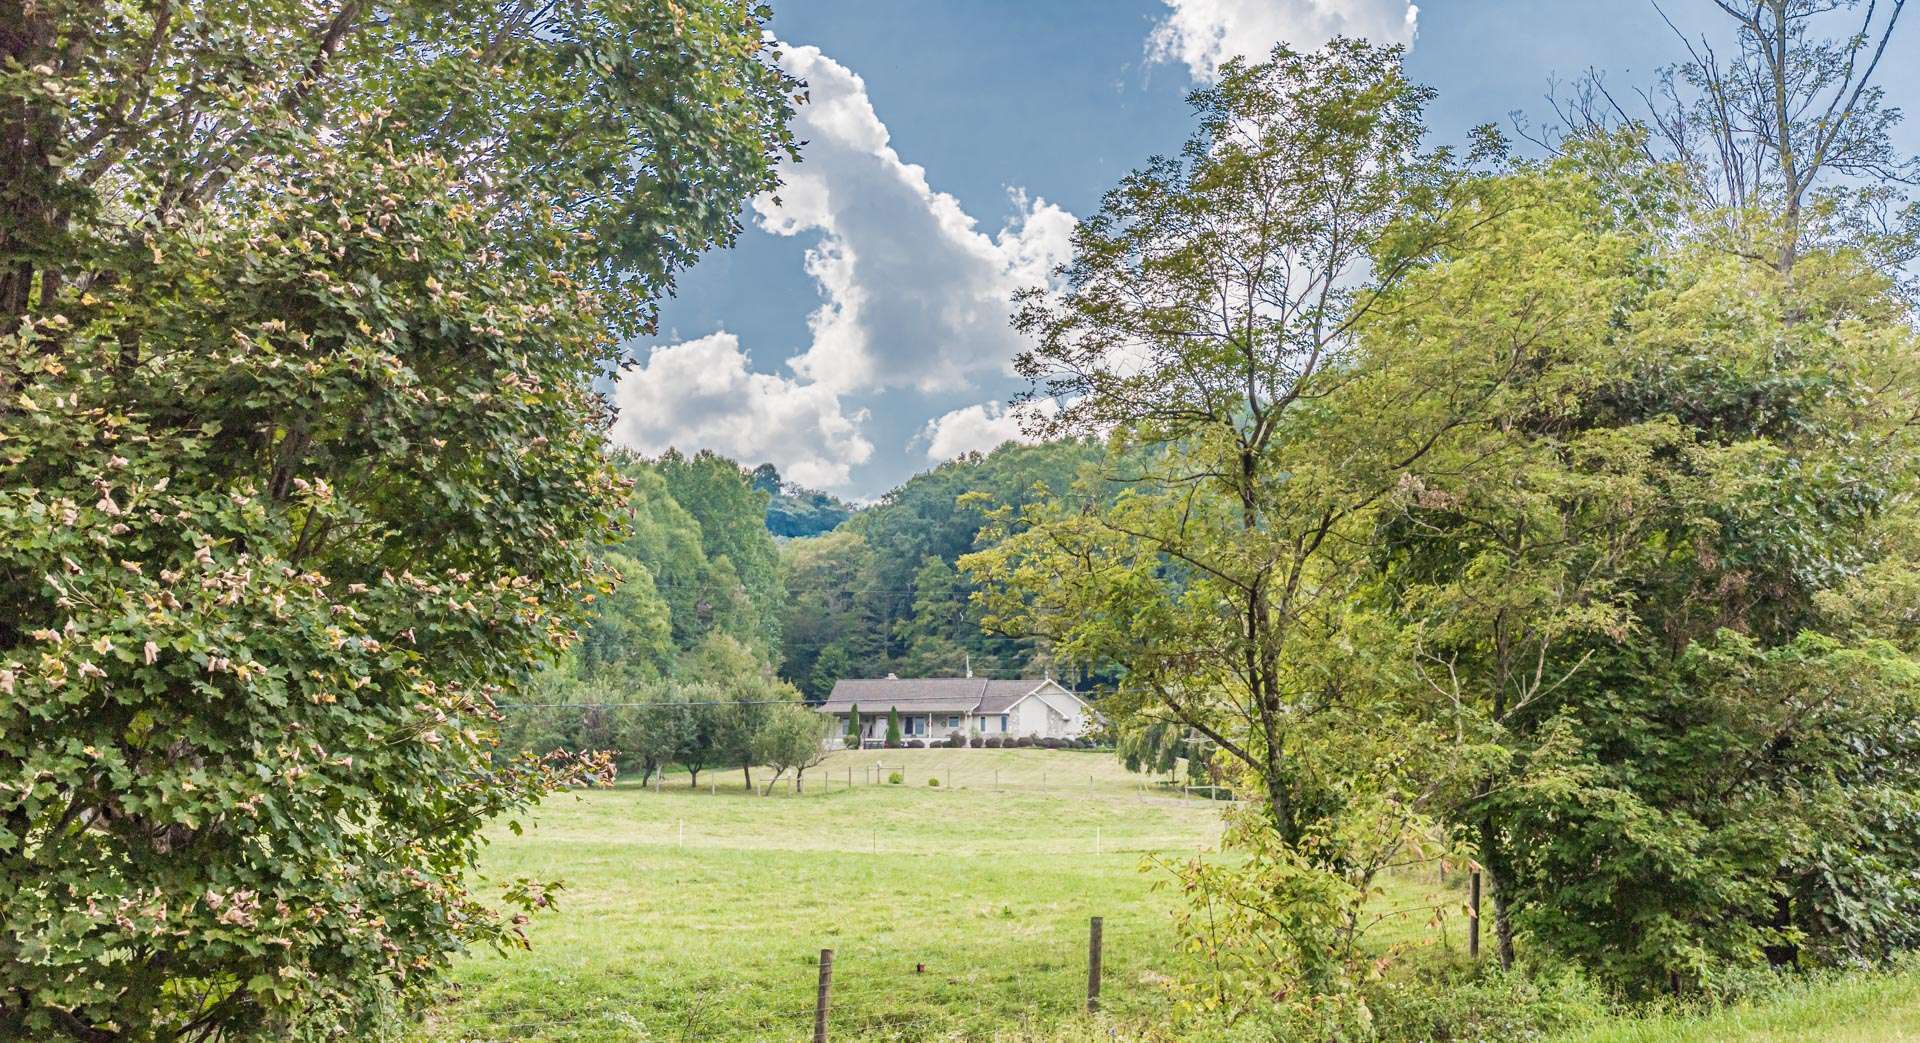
pixel 905 770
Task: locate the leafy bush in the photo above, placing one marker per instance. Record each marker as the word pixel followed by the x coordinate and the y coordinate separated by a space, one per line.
pixel 895 779
pixel 1481 1004
pixel 933 781
pixel 977 741
pixel 956 740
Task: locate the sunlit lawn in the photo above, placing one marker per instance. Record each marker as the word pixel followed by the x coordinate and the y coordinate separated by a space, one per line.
pixel 695 914
pixel 1867 1008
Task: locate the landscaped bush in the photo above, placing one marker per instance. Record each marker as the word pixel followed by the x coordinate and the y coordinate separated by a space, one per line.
pixel 993 743
pixel 916 744
pixel 956 740
pixel 933 781
pixel 976 742
pixel 1053 743
pixel 1024 742
pixel 895 779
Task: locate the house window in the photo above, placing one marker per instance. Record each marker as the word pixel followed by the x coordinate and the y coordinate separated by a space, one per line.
pixel 1003 722
pixel 953 721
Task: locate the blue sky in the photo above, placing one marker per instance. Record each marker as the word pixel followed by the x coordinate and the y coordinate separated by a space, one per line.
pixel 858 333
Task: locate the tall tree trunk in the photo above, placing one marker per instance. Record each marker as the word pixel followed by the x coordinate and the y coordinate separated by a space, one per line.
pixel 1493 872
pixel 28 182
pixel 1502 921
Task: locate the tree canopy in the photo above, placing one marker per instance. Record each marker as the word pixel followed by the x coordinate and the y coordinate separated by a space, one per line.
pixel 301 467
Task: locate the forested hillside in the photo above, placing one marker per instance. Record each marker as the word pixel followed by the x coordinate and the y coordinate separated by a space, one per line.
pixel 879 594
pixel 705 623
pixel 795 510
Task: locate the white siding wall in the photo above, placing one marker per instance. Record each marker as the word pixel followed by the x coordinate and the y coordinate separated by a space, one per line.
pixel 1049 713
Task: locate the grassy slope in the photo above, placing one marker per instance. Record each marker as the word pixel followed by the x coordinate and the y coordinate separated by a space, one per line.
pixel 1858 1009
pixel 717 938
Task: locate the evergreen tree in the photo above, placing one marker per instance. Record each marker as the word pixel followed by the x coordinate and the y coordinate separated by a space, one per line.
pixel 853 727
pixel 893 728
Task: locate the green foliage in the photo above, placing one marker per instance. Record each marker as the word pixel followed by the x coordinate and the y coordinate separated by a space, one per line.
pixel 879 595
pixel 792 738
pixel 795 510
pixel 300 468
pixel 893 728
pixel 1561 536
pixel 742 591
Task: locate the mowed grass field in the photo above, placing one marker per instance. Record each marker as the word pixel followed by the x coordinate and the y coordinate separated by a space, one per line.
pixel 957 911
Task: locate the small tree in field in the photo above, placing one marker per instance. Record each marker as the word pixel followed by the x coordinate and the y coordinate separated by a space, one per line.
pixel 794 739
pixel 893 727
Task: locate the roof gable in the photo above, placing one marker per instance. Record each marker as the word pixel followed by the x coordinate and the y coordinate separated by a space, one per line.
pixel 1052 686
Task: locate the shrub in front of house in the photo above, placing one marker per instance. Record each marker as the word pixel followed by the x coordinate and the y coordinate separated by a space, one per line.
pixel 976 742
pixel 895 779
pixel 934 782
pixel 1024 742
pixel 956 740
pixel 991 744
pixel 916 744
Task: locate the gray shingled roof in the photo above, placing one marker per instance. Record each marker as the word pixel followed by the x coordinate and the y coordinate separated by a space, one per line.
pixel 926 694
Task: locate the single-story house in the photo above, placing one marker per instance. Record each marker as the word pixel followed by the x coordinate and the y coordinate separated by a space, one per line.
pixel 932 708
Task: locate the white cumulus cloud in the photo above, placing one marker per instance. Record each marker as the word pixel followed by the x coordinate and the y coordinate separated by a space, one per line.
pixel 1203 34
pixel 982 428
pixel 917 296
pixel 700 394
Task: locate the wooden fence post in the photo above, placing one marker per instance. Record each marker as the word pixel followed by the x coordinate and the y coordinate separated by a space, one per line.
pixel 820 1000
pixel 1473 918
pixel 1093 966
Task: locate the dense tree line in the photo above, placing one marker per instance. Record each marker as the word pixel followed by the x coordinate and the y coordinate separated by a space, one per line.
pixel 795 510
pixel 880 594
pixel 675 663
pixel 1552 515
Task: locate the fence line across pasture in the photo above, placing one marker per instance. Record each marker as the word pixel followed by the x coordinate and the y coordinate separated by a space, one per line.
pixel 822 780
pixel 847 989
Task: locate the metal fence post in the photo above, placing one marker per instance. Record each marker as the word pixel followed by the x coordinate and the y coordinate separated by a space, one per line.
pixel 820 1000
pixel 1093 966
